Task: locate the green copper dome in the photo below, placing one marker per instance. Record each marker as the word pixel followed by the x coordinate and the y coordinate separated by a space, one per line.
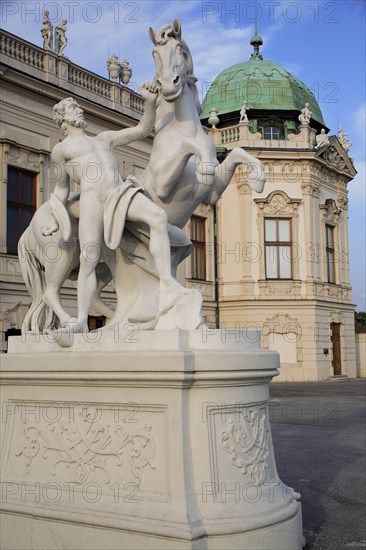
pixel 264 85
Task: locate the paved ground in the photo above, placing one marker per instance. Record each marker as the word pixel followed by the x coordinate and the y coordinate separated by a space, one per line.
pixel 318 432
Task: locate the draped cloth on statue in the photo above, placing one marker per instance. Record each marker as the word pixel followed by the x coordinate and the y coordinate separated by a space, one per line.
pixel 135 275
pixel 115 210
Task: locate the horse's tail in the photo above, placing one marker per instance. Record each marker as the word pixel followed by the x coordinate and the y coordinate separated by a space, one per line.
pixel 35 283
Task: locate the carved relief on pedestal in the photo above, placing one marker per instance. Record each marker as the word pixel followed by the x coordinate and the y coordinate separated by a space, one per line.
pixel 87 443
pixel 83 446
pixel 247 442
pixel 242 432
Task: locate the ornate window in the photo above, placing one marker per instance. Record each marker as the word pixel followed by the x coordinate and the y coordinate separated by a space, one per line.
pixel 330 253
pixel 278 246
pixel 271 132
pixel 272 128
pixel 278 228
pixel 21 205
pixel 198 257
pixel 331 215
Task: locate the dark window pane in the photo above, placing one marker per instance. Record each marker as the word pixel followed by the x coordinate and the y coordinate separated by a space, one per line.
pixel 20 205
pixel 26 218
pixel 13 175
pixel 198 257
pixel 13 185
pixel 12 230
pixel 271 132
pixel 27 194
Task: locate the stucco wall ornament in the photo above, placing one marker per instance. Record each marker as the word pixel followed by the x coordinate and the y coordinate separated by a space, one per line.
pixel 331 212
pixel 143 220
pixel 333 158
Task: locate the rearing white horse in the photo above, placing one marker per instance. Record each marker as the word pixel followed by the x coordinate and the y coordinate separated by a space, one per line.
pixel 183 171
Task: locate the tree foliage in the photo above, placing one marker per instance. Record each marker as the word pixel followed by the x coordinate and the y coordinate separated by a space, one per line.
pixel 360 321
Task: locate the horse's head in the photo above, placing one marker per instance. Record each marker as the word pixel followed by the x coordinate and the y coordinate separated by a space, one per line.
pixel 173 60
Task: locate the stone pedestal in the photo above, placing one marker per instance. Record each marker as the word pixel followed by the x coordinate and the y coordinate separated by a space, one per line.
pixel 155 439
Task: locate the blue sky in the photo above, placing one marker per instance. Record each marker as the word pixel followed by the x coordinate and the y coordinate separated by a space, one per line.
pixel 321 42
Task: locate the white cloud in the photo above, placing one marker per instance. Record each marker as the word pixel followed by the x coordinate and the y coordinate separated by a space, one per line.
pixel 359 122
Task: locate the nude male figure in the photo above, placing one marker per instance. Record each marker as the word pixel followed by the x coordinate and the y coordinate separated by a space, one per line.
pixel 90 162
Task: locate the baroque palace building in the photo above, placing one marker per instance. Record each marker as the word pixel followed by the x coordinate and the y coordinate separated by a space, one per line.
pixel 276 261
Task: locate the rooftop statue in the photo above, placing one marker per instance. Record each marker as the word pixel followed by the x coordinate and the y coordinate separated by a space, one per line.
pixel 113 67
pixel 321 139
pixel 47 31
pixel 124 223
pixel 243 112
pixel 60 37
pixel 342 136
pixel 305 115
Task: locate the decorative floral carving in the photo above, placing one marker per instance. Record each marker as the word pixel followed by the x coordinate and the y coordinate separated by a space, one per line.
pixel 335 317
pixel 331 212
pixel 343 202
pixel 333 291
pixel 14 153
pixel 247 443
pixel 278 205
pixel 289 288
pixel 334 159
pixel 311 188
pixel 84 446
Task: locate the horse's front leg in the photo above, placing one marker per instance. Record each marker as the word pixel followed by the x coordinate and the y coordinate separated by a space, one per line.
pixel 256 177
pixel 168 169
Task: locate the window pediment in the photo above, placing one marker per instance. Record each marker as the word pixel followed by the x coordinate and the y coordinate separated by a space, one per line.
pixel 278 203
pixel 330 212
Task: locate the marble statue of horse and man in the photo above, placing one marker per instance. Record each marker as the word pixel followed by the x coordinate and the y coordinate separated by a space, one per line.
pixel 131 231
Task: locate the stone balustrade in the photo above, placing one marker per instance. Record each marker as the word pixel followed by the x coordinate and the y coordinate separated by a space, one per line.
pixel 47 66
pixel 240 136
pixel 229 135
pixel 89 81
pixel 20 50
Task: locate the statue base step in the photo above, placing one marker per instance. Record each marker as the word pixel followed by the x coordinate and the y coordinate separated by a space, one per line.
pixel 163 441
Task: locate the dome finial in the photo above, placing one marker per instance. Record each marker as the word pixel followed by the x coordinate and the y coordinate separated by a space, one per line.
pixel 256 41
